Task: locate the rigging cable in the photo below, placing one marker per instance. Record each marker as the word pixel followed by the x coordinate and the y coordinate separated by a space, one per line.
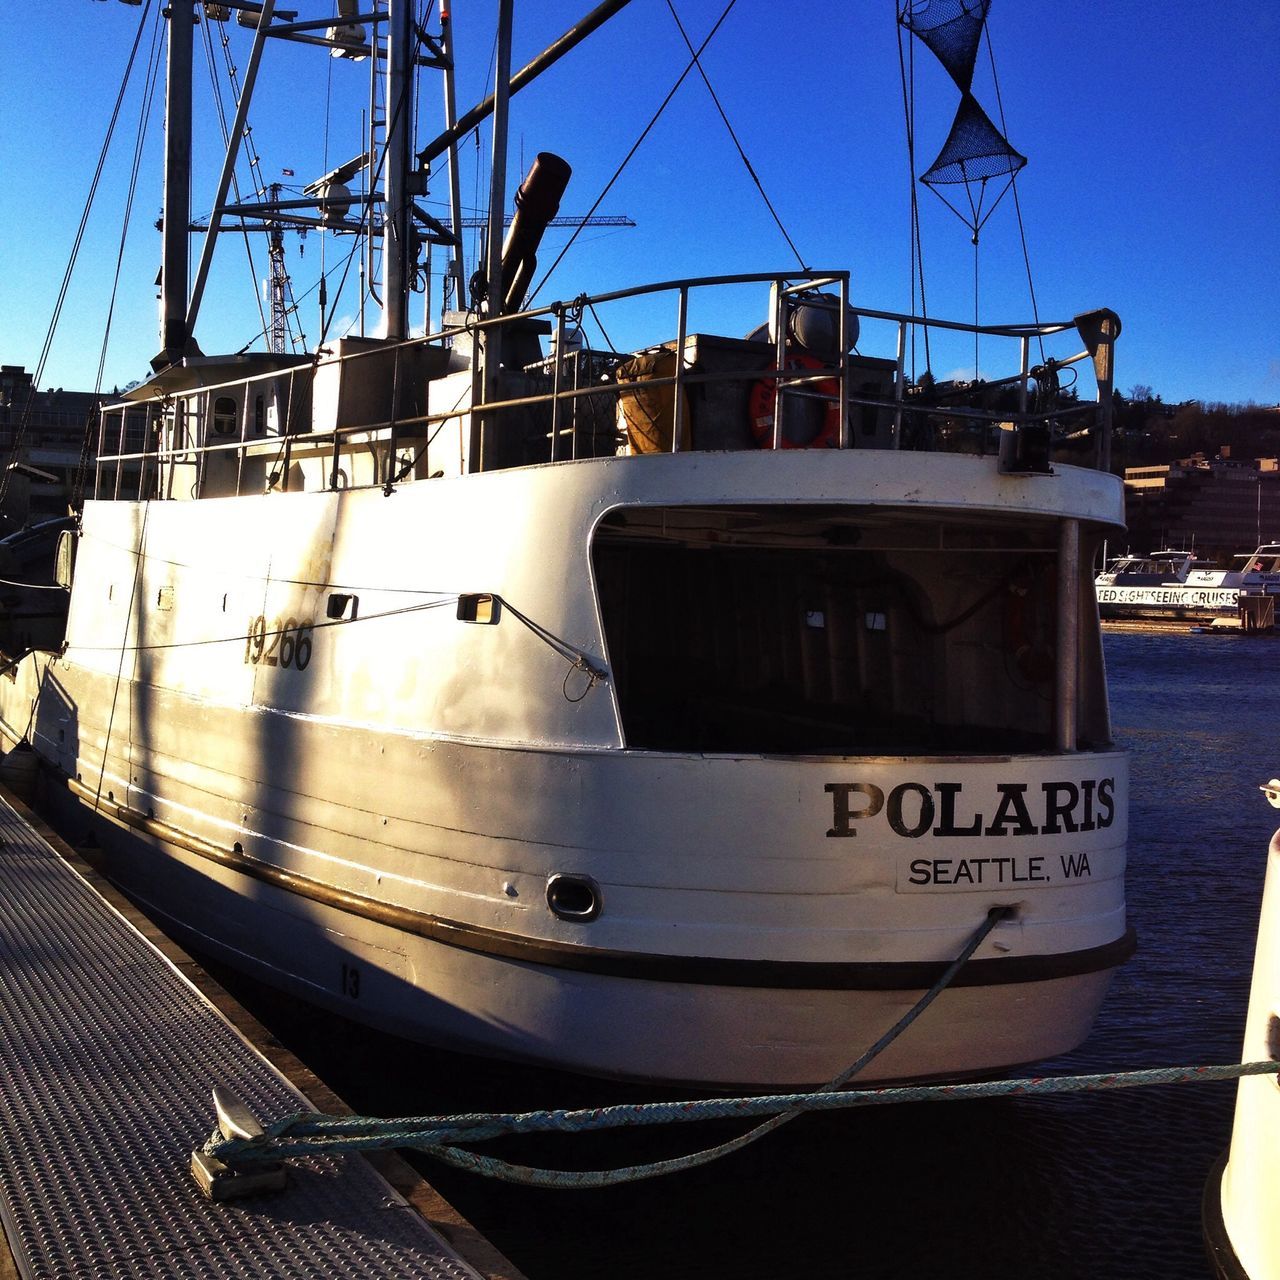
pixel 608 186
pixel 263 188
pixel 742 154
pixel 324 168
pixel 364 227
pixel 148 94
pixel 38 376
pixel 226 142
pixel 595 315
pixel 134 587
pixel 578 659
pixel 366 214
pixel 480 238
pixel 1017 204
pixel 907 76
pixel 976 376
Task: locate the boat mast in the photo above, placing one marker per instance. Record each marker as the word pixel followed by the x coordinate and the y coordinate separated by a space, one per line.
pixel 455 269
pixel 397 229
pixel 498 178
pixel 491 340
pixel 177 187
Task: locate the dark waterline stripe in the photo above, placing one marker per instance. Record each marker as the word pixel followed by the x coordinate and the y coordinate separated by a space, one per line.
pixel 789 975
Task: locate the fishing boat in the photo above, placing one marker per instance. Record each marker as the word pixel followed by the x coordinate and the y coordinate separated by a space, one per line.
pixel 1175 587
pixel 675 713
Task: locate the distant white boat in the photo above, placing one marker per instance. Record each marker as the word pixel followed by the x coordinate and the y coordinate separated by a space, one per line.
pixel 1174 586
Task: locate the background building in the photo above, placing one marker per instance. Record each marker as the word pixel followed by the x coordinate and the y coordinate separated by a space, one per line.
pixel 1218 509
pixel 42 435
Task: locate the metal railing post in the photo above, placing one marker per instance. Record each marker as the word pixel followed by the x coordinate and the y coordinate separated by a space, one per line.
pixel 115 492
pixel 148 428
pixel 97 457
pixel 557 365
pixel 780 354
pixel 843 385
pixel 389 478
pixel 335 470
pixel 243 441
pixel 899 383
pixel 284 431
pixel 200 440
pixel 677 410
pixel 1066 685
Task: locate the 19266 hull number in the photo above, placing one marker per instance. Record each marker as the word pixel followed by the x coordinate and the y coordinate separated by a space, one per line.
pixel 281 643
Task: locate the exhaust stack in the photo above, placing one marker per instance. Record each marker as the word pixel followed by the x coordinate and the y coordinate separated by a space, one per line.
pixel 537 202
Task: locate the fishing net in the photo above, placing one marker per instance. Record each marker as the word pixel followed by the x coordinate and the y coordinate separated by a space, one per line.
pixel 974 150
pixel 952 29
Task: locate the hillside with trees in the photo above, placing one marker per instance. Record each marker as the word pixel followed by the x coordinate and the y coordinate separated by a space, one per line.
pixel 1147 431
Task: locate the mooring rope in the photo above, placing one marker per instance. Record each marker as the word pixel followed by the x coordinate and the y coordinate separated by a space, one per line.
pixel 433 1134
pixel 308 1133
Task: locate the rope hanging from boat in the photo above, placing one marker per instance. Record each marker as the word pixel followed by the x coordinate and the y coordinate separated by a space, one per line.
pixel 20 435
pixel 307 1133
pixel 437 1135
pixel 124 649
pixel 1017 204
pixel 578 659
pixel 635 146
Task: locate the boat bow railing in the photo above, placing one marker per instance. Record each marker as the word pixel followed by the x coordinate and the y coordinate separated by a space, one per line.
pixel 164 441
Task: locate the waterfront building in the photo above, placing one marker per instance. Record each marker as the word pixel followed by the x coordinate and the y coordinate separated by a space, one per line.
pixel 1219 508
pixel 42 442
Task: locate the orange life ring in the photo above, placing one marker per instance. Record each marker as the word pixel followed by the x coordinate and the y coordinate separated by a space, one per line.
pixel 763 400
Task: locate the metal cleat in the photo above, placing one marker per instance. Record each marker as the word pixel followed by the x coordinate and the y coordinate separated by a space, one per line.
pixel 221 1181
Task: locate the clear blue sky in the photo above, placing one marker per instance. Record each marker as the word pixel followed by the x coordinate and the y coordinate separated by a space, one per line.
pixel 1153 183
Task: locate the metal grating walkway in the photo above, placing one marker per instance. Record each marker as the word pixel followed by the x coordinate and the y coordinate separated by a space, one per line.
pixel 107 1056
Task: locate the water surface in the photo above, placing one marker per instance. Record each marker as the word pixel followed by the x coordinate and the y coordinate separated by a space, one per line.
pixel 1106 1187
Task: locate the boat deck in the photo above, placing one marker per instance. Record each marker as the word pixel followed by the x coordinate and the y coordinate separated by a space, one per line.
pixel 106 1065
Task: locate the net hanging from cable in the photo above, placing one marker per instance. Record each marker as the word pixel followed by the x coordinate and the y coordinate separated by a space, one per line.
pixel 952 29
pixel 976 158
pixel 975 151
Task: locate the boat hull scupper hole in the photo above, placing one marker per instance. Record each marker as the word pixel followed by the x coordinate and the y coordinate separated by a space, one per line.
pixel 575 898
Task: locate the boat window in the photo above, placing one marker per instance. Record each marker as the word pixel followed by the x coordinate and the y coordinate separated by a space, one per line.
pixel 813 632
pixel 259 413
pixel 224 416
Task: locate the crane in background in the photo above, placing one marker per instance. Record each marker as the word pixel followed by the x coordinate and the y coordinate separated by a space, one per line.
pixel 279 287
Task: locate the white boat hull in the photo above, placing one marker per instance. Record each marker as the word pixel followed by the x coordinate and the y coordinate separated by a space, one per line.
pixel 752 919
pixel 671 1032
pixel 1175 603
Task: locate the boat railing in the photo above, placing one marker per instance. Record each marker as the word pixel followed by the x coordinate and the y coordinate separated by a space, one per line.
pixel 148 445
